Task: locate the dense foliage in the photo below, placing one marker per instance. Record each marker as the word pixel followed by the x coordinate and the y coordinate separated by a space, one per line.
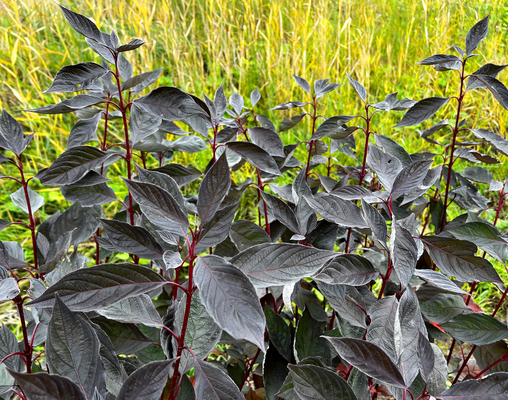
pixel 349 284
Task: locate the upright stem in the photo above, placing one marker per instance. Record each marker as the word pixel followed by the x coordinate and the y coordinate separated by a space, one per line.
pixel 314 117
pixel 28 349
pixel 181 339
pixel 128 156
pixel 460 100
pixel 24 183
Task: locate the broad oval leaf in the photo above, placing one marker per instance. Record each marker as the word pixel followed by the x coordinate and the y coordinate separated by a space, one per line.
pixel 358 87
pixel 268 140
pixel 385 166
pixel 245 234
pixel 159 206
pixel 281 211
pixel 457 258
pixel 476 328
pixel 347 269
pixel 43 386
pixel 72 350
pixel 72 78
pixel 73 164
pixel 70 105
pixel 147 382
pixel 312 382
pixel 280 334
pixel 439 59
pixel 422 110
pixel 369 359
pixel 280 264
pixel 123 237
pixel 12 137
pixel 492 387
pixel 217 229
pixel 334 209
pixel 134 310
pixel 256 156
pixel 381 330
pixel 410 178
pixel 231 299
pixel 438 279
pixel 494 139
pixel 213 384
pixel 84 131
pixel 170 104
pixel 89 289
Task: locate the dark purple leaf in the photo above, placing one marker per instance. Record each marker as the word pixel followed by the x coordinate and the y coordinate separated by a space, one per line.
pixel 492 387
pixel 72 78
pixel 422 110
pixel 230 298
pixel 347 269
pixel 476 34
pixel 88 289
pixel 147 382
pixel 476 328
pixel 334 209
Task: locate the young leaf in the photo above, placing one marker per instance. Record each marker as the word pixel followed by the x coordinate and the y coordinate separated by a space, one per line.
pixel 236 101
pixel 213 384
pixel 289 105
pixel 147 382
pixel 478 329
pixel 159 206
pixel 72 78
pixel 73 164
pixel 493 386
pixel 255 96
pixel 142 124
pixel 312 382
pixel 72 350
pixel 19 199
pixel 42 386
pixel 347 269
pixel 322 87
pixel 476 34
pixel 369 359
pixel 256 156
pixel 230 298
pixel 457 258
pixel 290 122
pixel 358 87
pixel 334 127
pixel 302 83
pixel 123 237
pixel 280 263
pixel 422 110
pixel 214 187
pixel 82 24
pixel 89 289
pixel 9 345
pixel 333 209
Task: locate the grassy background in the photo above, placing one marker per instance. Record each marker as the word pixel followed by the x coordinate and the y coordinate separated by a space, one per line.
pixel 246 44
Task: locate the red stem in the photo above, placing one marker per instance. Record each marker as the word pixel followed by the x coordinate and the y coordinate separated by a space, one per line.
pixel 33 224
pixel 314 118
pixel 460 100
pixel 28 349
pixel 128 156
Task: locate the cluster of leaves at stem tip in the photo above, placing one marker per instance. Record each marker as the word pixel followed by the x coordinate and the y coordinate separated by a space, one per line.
pixel 347 283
